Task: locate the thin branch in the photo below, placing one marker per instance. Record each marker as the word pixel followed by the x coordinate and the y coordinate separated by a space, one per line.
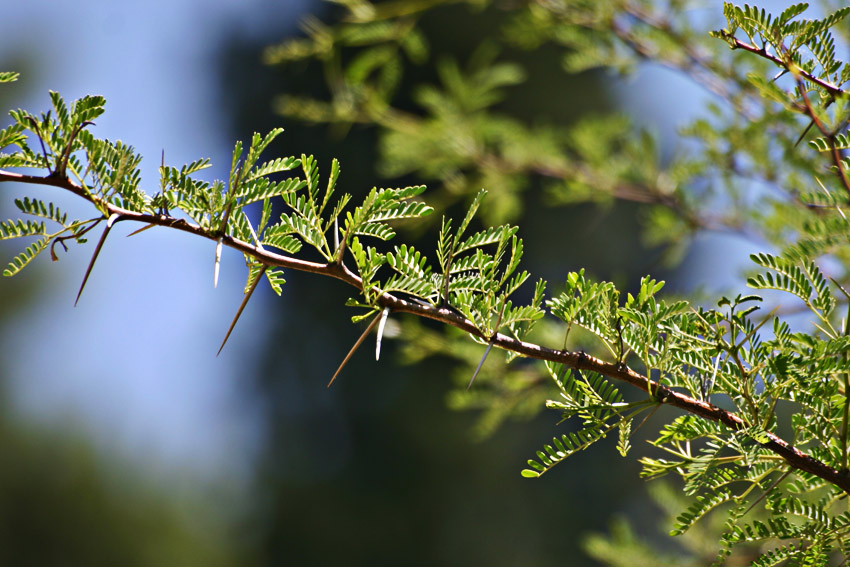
pixel 830 135
pixel 576 360
pixel 736 43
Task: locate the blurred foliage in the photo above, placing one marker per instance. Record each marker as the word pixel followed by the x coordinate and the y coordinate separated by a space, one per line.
pixel 63 504
pixel 628 545
pixel 459 131
pixel 65 501
pixel 739 168
pixel 434 493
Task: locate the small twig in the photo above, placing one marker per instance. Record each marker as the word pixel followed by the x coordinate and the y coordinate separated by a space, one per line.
pixel 736 43
pixel 37 130
pixel 447 275
pixel 163 204
pixel 646 418
pixel 73 236
pixel 62 164
pixel 845 417
pixel 836 156
pixel 767 491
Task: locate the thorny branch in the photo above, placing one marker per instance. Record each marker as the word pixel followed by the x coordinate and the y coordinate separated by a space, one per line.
pixel 829 134
pixel 576 360
pixel 736 43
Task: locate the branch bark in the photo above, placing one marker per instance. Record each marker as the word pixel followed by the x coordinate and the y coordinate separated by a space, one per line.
pixel 577 360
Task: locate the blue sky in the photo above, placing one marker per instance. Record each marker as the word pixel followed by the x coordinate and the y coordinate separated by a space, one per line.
pixel 134 364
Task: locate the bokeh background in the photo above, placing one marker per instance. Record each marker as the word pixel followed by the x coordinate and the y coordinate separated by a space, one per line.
pixel 124 440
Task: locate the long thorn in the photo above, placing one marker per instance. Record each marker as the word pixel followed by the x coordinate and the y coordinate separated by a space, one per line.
pixel 384 314
pixel 110 221
pixel 767 491
pixel 242 307
pixel 253 232
pixel 137 231
pixel 354 348
pixel 218 246
pixel 646 418
pixel 336 236
pixel 803 135
pixel 480 364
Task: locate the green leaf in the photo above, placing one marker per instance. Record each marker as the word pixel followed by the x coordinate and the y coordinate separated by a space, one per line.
pixel 487 236
pixel 279 236
pixel 470 213
pixel 841 141
pixel 87 108
pixel 568 444
pixel 408 261
pixel 274 166
pixel 375 230
pixel 19 228
pixel 697 510
pixel 258 189
pixel 275 277
pixel 301 227
pixel 39 208
pixel 28 255
pixel 12 135
pixel 332 178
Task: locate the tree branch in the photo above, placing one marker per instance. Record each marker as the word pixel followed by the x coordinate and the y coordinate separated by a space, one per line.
pixel 577 360
pixel 736 43
pixel 830 135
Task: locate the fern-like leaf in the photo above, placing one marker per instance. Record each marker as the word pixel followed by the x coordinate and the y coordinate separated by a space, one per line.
pixel 697 510
pixel 19 228
pixel 566 445
pixel 20 261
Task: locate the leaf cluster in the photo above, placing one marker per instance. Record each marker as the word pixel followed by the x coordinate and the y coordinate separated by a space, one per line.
pixel 768 406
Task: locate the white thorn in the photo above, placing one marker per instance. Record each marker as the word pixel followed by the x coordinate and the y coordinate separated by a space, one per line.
pixel 111 220
pixel 218 247
pixel 253 233
pixel 480 364
pixel 336 235
pixel 383 322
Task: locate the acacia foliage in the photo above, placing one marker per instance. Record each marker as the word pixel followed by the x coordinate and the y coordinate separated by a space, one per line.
pixel 730 368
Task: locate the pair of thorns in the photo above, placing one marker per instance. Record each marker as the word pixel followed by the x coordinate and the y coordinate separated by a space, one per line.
pixel 380 319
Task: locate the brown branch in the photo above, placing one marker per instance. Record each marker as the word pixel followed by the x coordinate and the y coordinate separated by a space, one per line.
pixel 577 360
pixel 736 43
pixel 829 134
